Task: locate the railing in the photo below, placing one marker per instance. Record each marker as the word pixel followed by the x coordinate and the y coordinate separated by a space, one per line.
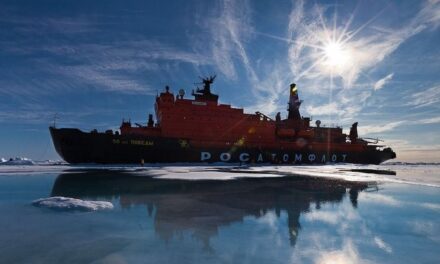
pixel 263 116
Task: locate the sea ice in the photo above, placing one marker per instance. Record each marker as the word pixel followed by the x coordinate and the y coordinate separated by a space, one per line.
pixel 50 162
pixel 71 204
pixel 397 173
pixel 17 161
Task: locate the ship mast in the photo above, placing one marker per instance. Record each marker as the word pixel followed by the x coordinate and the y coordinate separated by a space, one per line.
pixel 294 103
pixel 205 93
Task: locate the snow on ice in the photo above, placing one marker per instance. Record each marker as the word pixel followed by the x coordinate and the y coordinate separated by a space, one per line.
pixel 71 204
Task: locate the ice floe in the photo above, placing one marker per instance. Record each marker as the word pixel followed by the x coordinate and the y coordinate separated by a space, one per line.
pixel 71 204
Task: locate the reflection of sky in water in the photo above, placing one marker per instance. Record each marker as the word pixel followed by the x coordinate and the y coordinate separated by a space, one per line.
pixel 277 220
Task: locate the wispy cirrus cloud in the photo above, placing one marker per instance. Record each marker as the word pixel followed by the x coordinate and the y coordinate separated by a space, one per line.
pixel 311 34
pixel 41 25
pixel 308 32
pixel 428 97
pixel 390 126
pixel 382 245
pixel 105 81
pixel 432 120
pixel 229 30
pixel 112 66
pixel 380 199
pixel 374 129
pixel 347 254
pixel 424 227
pixel 326 109
pixel 331 217
pixel 82 50
pixel 382 82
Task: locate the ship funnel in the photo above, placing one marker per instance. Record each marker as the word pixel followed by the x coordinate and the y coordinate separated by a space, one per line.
pixel 294 103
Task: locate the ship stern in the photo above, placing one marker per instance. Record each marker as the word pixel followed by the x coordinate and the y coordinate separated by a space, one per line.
pixel 387 154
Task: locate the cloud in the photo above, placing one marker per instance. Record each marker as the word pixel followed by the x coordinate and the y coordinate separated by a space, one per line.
pixel 345 214
pixel 428 97
pixel 382 245
pixel 331 217
pixel 310 31
pixel 432 206
pixel 42 25
pixel 433 120
pixel 105 80
pixel 58 54
pixel 414 152
pixel 323 216
pixel 379 198
pixel 347 255
pixel 425 228
pixel 327 109
pixel 109 67
pixel 229 29
pixel 381 83
pixel 26 116
pixel 372 129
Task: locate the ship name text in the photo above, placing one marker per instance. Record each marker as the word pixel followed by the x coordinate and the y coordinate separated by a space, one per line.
pixel 138 142
pixel 279 157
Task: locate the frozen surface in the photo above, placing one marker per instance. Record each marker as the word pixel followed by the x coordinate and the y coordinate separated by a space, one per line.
pixel 418 174
pixel 21 161
pixel 71 204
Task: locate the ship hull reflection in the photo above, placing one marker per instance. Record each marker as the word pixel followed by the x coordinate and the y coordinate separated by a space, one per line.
pixel 203 206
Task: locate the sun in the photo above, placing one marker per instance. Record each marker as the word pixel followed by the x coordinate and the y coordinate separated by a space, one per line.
pixel 336 56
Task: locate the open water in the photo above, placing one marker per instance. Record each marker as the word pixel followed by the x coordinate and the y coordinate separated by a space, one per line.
pixel 220 214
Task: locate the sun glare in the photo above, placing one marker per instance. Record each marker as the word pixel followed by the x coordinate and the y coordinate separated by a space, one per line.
pixel 336 56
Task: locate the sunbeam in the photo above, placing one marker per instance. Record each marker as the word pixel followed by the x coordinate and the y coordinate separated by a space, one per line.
pixel 337 57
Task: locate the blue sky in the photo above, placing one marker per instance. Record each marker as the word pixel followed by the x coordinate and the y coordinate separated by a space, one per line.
pixel 96 62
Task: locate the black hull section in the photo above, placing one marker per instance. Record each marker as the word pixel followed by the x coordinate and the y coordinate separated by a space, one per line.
pixel 75 146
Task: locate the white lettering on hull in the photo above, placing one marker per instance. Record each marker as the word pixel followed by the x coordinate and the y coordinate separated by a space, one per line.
pixel 296 157
pixel 244 157
pixel 225 156
pixel 205 156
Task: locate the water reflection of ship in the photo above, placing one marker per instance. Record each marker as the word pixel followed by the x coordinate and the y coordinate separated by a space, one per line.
pixel 202 206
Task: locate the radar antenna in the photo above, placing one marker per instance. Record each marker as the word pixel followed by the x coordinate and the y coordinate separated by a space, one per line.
pixel 205 92
pixel 206 84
